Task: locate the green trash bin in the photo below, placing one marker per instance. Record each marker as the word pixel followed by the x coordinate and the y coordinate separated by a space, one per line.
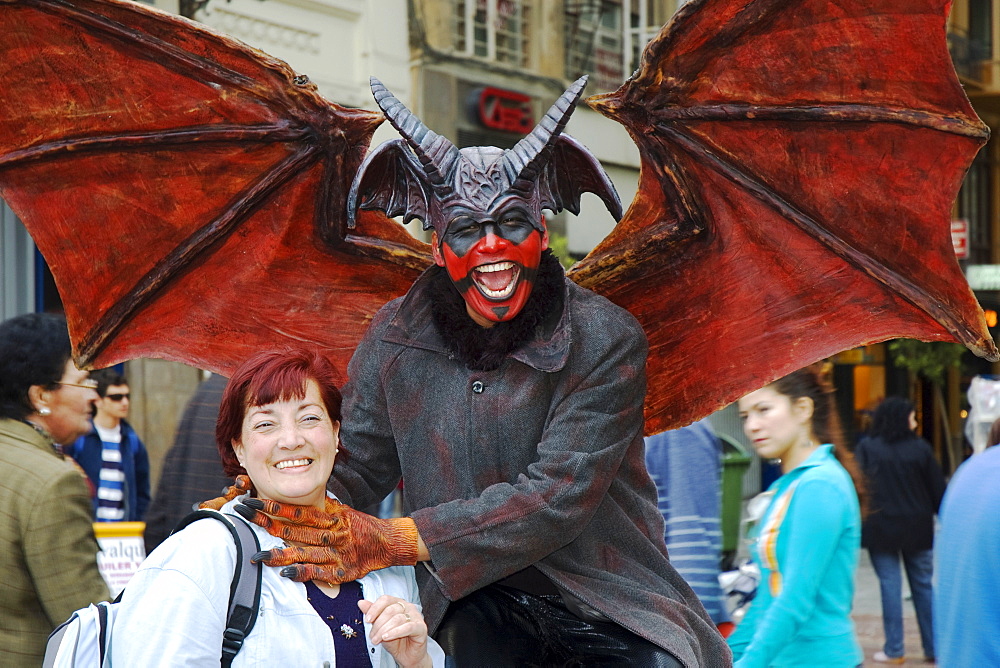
pixel 735 462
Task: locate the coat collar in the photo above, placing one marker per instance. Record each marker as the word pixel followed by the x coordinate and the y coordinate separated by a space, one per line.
pixel 413 326
pixel 20 431
pixel 821 454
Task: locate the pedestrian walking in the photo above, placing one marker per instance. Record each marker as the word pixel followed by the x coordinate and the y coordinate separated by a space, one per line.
pixel 965 614
pixel 113 455
pixel 907 485
pixel 808 540
pixel 47 542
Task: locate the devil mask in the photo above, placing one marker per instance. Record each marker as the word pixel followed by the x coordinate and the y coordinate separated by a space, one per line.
pixel 484 204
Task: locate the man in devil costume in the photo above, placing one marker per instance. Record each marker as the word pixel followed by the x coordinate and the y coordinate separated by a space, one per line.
pixel 758 242
pixel 510 400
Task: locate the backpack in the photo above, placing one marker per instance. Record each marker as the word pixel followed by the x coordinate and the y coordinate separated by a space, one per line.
pixel 83 640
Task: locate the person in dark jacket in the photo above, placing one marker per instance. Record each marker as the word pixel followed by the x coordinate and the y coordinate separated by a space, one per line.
pixel 192 470
pixel 907 486
pixel 112 455
pixel 510 401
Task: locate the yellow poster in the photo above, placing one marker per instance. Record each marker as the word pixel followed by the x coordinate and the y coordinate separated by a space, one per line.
pixel 122 550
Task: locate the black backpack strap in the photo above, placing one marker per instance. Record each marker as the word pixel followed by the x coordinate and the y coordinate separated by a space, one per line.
pixel 244 592
pixel 102 614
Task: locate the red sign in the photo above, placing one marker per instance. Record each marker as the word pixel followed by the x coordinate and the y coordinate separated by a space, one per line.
pixel 960 238
pixel 505 110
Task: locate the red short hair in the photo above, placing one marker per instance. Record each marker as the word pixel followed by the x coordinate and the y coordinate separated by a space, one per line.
pixel 276 375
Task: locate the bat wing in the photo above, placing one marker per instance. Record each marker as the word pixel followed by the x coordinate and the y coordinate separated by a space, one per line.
pixel 390 180
pixel 187 191
pixel 799 165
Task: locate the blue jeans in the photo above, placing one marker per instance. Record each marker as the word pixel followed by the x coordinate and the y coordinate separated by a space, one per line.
pixel 919 571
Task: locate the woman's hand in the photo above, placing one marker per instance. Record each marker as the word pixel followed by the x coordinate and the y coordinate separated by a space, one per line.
pixel 401 629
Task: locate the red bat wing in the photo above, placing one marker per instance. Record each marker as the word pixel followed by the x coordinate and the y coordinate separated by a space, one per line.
pixel 187 191
pixel 799 165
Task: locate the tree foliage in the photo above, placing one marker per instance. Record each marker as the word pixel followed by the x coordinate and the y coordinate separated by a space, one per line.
pixel 929 360
pixel 559 245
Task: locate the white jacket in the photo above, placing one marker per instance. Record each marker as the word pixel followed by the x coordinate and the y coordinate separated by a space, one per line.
pixel 174 608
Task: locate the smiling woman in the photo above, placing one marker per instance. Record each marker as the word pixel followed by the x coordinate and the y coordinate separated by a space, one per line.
pixel 279 425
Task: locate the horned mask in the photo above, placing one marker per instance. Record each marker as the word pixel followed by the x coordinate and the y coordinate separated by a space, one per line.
pixel 425 176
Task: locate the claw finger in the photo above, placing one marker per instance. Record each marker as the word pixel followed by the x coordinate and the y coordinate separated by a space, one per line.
pixel 260 519
pixel 292 556
pixel 292 533
pixel 213 504
pixel 240 486
pixel 303 515
pixel 308 535
pixel 296 572
pixel 304 572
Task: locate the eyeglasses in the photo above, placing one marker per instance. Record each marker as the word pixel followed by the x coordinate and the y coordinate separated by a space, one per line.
pixel 87 384
pixel 117 397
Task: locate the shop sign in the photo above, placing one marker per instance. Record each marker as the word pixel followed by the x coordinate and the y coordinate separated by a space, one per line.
pixel 505 110
pixel 960 238
pixel 983 276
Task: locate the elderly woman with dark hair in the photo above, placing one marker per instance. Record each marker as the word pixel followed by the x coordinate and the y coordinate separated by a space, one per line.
pixel 907 486
pixel 278 428
pixel 47 542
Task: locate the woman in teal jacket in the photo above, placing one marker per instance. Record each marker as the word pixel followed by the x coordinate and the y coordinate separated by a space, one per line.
pixel 808 540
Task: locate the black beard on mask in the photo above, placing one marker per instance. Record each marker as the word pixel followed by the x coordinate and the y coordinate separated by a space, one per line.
pixel 485 348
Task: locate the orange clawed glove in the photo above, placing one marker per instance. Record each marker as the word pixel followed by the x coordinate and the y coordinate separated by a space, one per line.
pixel 240 486
pixel 347 544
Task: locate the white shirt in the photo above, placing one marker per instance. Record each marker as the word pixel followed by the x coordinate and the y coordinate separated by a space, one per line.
pixel 174 608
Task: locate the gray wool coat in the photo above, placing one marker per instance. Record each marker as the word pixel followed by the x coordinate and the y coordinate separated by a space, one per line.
pixel 540 462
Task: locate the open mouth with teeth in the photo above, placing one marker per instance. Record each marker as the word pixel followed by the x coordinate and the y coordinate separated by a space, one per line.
pixel 292 463
pixel 496 281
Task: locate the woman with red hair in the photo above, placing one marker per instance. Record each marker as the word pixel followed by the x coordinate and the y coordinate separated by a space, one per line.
pixel 278 426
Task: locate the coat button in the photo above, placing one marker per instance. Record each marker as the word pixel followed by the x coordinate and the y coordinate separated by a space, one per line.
pixel 478 387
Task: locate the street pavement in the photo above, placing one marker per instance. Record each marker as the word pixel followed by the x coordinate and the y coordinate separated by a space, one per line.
pixel 867 615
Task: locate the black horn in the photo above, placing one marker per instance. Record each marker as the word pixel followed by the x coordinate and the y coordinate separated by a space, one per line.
pixel 436 154
pixel 523 162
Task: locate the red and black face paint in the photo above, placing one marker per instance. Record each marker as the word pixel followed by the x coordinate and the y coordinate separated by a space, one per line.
pixel 492 259
pixel 484 203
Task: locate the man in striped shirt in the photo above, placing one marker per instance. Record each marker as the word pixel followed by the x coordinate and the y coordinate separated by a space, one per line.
pixel 113 456
pixel 685 464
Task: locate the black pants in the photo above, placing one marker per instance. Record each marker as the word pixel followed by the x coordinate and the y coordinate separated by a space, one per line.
pixel 501 627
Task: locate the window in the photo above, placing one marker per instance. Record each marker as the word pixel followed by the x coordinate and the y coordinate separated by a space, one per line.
pixel 974 206
pixel 604 38
pixel 18 267
pixel 646 17
pixel 594 42
pixel 970 38
pixel 495 30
